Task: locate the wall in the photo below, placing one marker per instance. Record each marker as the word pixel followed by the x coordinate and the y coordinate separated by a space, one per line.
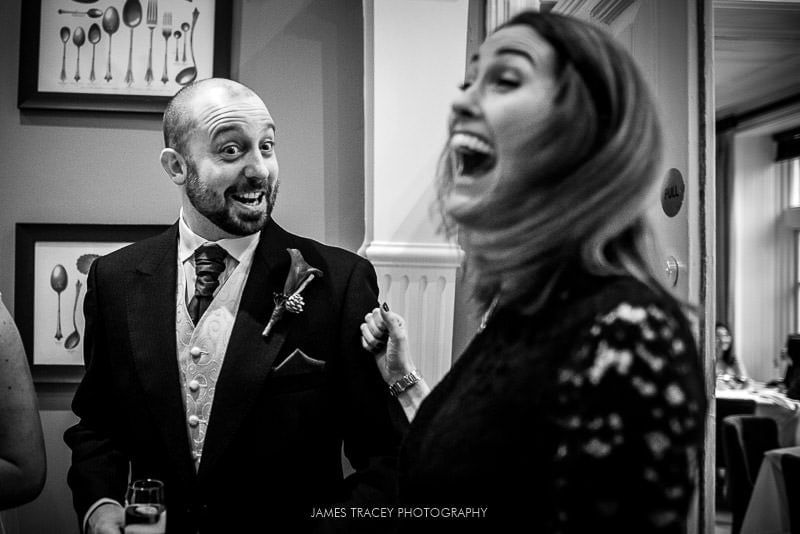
pixel 409 82
pixel 303 56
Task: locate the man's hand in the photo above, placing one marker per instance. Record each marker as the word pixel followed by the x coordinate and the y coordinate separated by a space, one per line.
pixel 108 518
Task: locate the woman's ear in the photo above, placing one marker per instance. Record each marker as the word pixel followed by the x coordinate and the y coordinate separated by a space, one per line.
pixel 175 165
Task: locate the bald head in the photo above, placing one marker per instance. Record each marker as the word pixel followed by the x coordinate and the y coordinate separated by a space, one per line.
pixel 180 115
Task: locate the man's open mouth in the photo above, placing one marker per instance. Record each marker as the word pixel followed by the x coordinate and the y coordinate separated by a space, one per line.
pixel 253 199
pixel 474 156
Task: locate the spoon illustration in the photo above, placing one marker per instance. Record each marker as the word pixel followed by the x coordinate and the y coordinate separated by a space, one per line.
pixel 93 13
pixel 110 25
pixel 177 35
pixel 74 338
pixel 64 38
pixel 131 16
pixel 58 281
pixel 79 37
pixel 94 38
pixel 187 75
pixel 185 28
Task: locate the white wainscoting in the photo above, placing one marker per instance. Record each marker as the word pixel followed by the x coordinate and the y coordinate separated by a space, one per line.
pixel 418 282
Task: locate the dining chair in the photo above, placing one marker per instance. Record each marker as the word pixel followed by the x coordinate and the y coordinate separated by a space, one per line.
pixel 745 439
pixel 792 377
pixel 725 408
pixel 790 465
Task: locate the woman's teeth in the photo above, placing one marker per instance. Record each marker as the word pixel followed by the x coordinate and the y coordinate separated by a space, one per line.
pixel 472 154
pixel 470 142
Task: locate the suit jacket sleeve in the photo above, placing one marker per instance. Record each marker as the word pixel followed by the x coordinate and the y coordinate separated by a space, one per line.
pixel 374 420
pixel 99 468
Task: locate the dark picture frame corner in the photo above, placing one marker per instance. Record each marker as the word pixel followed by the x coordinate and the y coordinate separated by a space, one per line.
pixel 27 235
pixel 30 98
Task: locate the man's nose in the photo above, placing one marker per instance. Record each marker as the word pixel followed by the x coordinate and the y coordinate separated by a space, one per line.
pixel 256 167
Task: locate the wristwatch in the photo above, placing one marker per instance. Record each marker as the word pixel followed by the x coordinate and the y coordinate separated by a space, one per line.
pixel 404 383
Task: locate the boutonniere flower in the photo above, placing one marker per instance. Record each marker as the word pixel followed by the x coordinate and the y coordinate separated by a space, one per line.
pixel 300 275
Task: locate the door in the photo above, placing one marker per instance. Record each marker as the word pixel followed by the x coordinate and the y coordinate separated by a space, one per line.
pixel 669 42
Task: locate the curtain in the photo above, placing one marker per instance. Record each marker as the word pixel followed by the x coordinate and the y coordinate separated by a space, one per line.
pixel 786 275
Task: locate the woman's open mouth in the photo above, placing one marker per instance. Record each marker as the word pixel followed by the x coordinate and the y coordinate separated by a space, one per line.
pixel 473 155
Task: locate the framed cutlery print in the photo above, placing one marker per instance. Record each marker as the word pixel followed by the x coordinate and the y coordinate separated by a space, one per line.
pixel 119 55
pixel 52 264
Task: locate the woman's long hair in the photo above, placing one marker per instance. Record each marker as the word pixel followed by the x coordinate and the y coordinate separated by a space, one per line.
pixel 727 355
pixel 594 174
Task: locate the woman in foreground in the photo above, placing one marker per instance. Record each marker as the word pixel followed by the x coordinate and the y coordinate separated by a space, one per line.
pixel 22 455
pixel 579 405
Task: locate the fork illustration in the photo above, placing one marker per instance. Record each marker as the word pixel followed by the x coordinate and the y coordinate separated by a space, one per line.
pixel 166 31
pixel 152 22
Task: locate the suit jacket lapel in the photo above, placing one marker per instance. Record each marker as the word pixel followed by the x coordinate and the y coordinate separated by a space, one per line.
pixel 151 316
pixel 249 357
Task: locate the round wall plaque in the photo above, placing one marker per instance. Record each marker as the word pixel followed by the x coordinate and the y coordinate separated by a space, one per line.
pixel 673 192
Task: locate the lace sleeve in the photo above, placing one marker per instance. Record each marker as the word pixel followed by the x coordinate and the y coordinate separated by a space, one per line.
pixel 627 426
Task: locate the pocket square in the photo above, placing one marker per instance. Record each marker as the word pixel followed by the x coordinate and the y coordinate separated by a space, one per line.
pixel 298 362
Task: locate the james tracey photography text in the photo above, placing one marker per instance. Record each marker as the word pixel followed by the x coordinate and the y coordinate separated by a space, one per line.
pixel 386 512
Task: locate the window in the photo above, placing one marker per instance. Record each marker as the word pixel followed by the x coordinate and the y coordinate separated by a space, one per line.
pixel 790 171
pixel 794 182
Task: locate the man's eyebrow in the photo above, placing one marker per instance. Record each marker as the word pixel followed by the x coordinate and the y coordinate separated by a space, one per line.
pixel 234 127
pixel 223 129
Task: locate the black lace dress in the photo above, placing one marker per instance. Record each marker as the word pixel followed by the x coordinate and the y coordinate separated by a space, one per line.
pixel 587 417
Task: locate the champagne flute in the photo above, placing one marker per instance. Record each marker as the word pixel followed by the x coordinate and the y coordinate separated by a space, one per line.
pixel 145 511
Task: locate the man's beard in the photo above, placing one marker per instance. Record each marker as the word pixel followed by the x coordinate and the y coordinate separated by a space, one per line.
pixel 216 208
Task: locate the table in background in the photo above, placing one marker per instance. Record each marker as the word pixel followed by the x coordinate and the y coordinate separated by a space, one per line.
pixel 768 511
pixel 773 404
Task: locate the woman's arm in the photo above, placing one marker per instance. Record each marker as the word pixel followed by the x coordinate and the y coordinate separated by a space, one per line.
pixel 384 334
pixel 22 456
pixel 629 413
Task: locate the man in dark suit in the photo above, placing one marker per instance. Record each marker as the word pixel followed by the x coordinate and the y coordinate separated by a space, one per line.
pixel 183 384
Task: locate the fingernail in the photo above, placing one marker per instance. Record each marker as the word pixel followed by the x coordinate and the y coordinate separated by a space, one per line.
pixel 385 307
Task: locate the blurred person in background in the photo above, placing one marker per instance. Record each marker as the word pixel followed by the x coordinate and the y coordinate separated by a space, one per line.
pixel 731 373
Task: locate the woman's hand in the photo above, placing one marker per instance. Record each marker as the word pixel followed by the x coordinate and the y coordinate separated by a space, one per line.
pixel 384 334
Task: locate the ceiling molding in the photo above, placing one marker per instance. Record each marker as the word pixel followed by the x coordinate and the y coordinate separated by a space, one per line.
pixel 757 5
pixel 756 53
pixel 610 10
pixel 573 7
pixel 615 14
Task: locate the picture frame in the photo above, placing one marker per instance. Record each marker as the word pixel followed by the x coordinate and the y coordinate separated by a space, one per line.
pixel 52 262
pixel 78 55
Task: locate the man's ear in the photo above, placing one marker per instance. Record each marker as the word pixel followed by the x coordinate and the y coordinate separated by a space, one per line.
pixel 175 165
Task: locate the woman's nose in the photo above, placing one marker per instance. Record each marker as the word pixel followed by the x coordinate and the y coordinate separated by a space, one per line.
pixel 465 103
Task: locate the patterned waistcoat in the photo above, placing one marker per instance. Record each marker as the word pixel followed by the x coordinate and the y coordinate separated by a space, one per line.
pixel 201 351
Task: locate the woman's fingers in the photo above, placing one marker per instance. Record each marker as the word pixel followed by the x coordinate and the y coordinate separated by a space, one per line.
pixel 392 322
pixel 369 341
pixel 375 323
pixel 382 326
